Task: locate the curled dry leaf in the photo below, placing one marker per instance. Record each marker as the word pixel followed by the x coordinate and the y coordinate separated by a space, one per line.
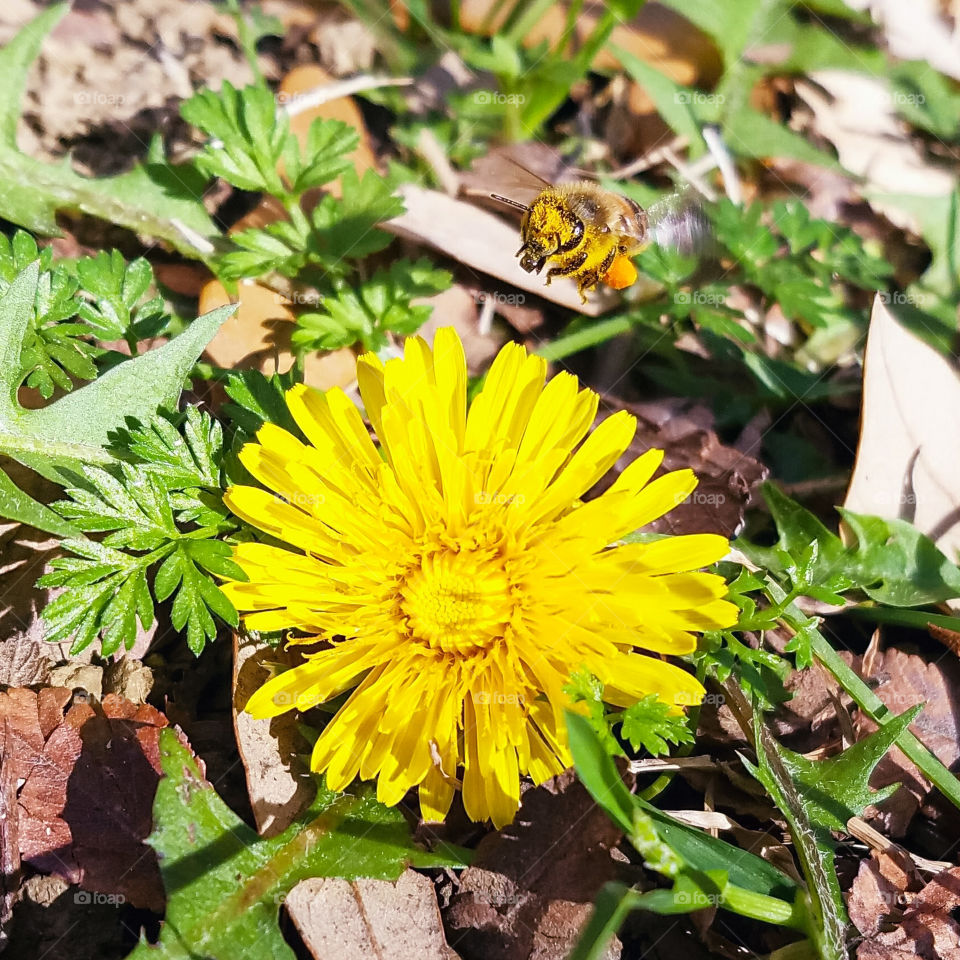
pixel 277 781
pixel 917 31
pixel 902 680
pixel 88 780
pixel 728 477
pixel 531 886
pixel 908 457
pixel 857 114
pixel 342 919
pixel 927 930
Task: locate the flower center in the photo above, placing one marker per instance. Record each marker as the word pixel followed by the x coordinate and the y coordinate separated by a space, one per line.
pixel 457 602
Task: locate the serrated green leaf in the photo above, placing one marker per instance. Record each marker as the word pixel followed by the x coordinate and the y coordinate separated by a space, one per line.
pixel 837 788
pixel 891 561
pixel 348 227
pixel 74 431
pixel 225 883
pixel 378 306
pixel 19 506
pixel 153 198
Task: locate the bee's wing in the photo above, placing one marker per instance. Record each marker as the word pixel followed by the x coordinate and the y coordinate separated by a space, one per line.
pixel 680 222
pixel 514 183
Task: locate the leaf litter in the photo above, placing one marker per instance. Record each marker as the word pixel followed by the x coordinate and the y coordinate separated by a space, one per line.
pixel 522 896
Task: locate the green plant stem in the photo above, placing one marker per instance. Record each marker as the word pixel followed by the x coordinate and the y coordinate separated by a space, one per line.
pixel 905 618
pixel 573 11
pixel 693 715
pixel 759 906
pixel 877 711
pixel 528 20
pixel 246 41
pixel 591 335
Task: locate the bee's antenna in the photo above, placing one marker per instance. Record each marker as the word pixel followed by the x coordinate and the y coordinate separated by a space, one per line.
pixel 509 202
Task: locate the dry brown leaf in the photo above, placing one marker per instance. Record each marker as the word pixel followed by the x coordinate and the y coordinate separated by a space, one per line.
pixel 857 114
pixel 876 898
pixel 908 457
pixel 88 779
pixel 258 336
pixel 343 920
pixel 902 680
pixel 277 782
pixel 927 929
pixel 728 478
pixel 9 846
pixel 531 886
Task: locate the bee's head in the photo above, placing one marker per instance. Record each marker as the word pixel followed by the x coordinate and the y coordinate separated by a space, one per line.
pixel 548 228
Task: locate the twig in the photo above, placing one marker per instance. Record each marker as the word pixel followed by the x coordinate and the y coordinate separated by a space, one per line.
pixel 690 175
pixel 300 102
pixel 673 765
pixel 862 830
pixel 720 153
pixel 650 159
pixel 431 150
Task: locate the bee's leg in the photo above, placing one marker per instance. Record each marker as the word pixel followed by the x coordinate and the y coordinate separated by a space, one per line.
pixel 587 281
pixel 570 266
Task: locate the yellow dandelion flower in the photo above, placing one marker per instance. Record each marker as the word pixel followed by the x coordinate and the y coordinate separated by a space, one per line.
pixel 457 576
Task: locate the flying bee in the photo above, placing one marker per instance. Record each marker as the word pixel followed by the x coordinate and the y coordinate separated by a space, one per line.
pixel 589 234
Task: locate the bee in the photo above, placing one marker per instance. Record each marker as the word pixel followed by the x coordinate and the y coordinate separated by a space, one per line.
pixel 590 234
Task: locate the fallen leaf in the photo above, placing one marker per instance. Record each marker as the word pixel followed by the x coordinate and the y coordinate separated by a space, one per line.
pixel 879 893
pixel 902 680
pixel 917 31
pixel 531 886
pixel 342 920
pixel 9 846
pixel 277 781
pixel 257 337
pixel 927 930
pixel 85 806
pixel 856 113
pixel 908 457
pixel 729 478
